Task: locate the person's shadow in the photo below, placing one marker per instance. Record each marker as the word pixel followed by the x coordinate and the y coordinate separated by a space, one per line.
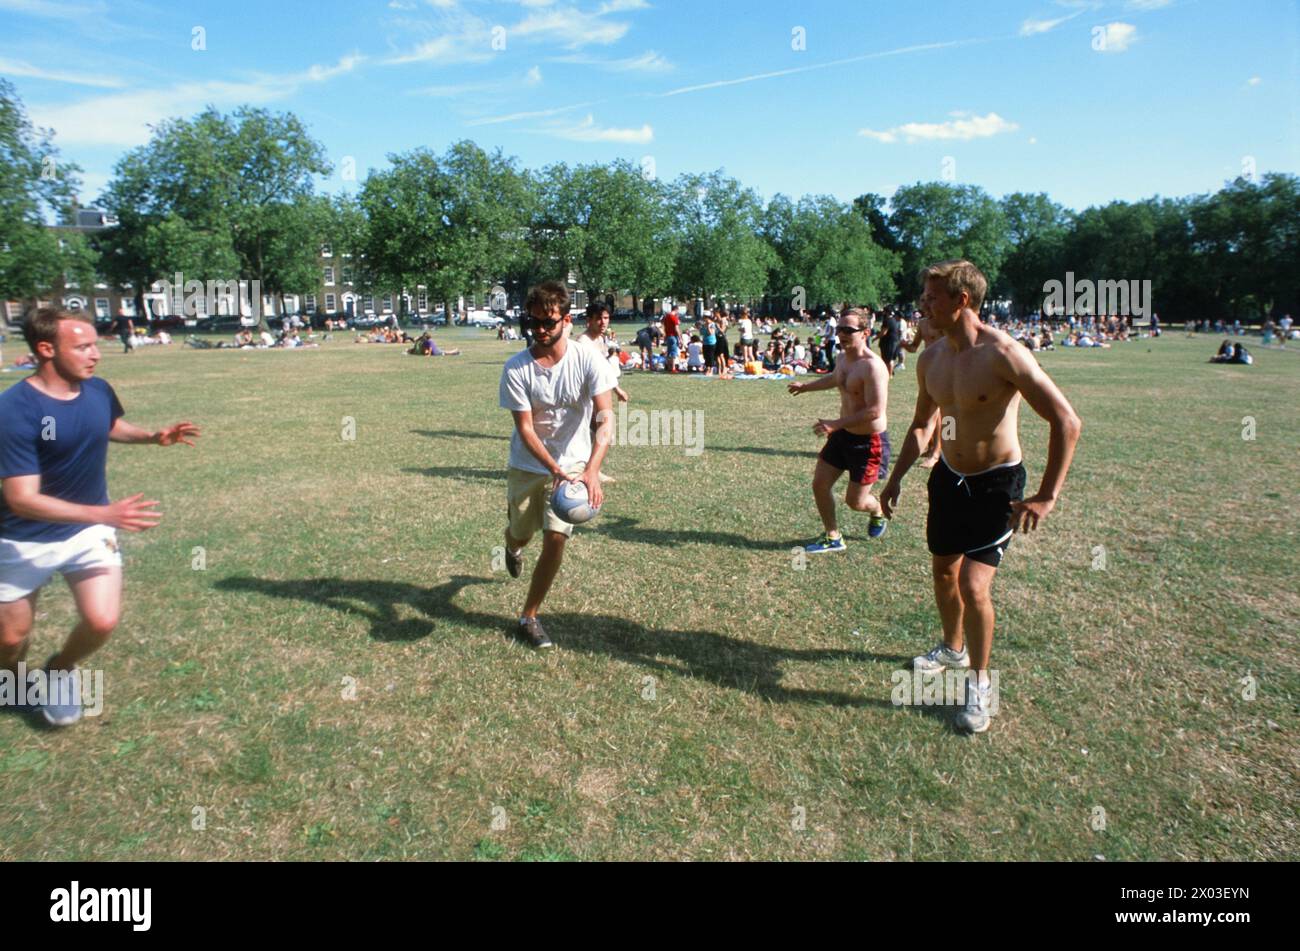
pixel 625 529
pixel 725 661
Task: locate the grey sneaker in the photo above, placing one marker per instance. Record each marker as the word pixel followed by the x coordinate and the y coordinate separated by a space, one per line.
pixel 974 715
pixel 531 630
pixel 940 657
pixel 62 705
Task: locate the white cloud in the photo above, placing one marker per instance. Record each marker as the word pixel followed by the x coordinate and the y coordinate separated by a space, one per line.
pixel 588 131
pixel 618 6
pixel 962 127
pixel 122 119
pixel 1254 81
pixel 1116 37
pixel 1145 5
pixel 17 67
pixel 1032 27
pixel 570 27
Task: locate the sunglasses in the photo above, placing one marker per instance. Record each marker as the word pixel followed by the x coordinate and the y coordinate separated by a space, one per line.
pixel 848 330
pixel 547 325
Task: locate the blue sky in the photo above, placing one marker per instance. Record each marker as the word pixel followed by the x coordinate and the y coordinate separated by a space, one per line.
pixel 1088 100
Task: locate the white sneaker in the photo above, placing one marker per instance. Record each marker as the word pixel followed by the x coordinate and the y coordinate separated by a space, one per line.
pixel 940 657
pixel 974 716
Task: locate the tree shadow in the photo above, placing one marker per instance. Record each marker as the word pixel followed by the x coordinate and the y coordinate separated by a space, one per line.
pixel 720 659
pixel 461 473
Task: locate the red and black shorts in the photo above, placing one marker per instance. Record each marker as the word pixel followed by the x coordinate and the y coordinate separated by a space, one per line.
pixel 865 458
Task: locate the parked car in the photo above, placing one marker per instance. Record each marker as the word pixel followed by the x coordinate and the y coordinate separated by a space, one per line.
pixel 483 318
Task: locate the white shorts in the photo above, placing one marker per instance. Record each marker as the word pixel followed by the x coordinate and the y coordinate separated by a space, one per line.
pixel 28 566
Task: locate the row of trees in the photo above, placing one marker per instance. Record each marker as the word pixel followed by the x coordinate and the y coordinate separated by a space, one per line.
pixel 218 196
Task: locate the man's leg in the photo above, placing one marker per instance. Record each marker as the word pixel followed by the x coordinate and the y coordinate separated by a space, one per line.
pixel 98 597
pixel 824 478
pixel 16 619
pixel 859 498
pixel 947 595
pixel 544 572
pixel 975 584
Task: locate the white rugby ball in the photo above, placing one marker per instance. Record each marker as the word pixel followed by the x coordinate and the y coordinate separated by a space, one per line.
pixel 570 503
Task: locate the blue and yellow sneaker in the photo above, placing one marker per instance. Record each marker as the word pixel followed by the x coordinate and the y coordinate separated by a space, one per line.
pixel 877 525
pixel 825 544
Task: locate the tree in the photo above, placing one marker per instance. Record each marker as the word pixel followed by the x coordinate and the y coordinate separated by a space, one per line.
pixel 872 208
pixel 937 221
pixel 825 254
pixel 35 186
pixel 720 250
pixel 1037 228
pixel 614 227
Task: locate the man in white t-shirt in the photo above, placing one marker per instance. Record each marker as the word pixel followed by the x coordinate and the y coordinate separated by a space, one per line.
pixel 594 338
pixel 551 389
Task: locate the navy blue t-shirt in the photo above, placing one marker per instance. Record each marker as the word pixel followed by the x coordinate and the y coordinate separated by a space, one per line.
pixel 65 442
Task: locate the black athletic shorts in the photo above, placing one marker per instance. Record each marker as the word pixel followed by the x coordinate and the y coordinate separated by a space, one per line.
pixel 970 515
pixel 889 353
pixel 866 458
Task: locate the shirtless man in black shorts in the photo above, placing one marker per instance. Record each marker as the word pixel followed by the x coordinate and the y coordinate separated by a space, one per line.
pixel 976 376
pixel 857 442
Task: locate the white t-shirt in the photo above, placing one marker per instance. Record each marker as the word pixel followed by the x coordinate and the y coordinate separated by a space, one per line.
pixel 695 355
pixel 746 329
pixel 600 350
pixel 560 400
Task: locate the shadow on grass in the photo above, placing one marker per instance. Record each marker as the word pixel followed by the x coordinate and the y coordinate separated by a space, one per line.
pixel 461 473
pixel 758 451
pixel 720 659
pixel 456 434
pixel 625 529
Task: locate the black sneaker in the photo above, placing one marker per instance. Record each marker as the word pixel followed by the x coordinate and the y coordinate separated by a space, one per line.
pixel 514 562
pixel 531 630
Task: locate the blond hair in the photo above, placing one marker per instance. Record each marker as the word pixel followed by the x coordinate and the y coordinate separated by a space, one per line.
pixel 958 276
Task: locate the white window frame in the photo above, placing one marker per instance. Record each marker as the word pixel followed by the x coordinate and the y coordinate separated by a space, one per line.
pixel 329 276
pixel 331 304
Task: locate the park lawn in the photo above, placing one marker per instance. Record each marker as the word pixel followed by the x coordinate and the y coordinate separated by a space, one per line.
pixel 315 663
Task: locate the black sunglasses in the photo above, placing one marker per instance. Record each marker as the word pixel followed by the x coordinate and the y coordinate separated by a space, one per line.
pixel 545 324
pixel 848 330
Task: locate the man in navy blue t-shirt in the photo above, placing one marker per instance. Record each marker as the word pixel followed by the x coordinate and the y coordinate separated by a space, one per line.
pixel 55 514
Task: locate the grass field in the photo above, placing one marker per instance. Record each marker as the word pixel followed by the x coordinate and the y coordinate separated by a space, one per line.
pixel 338 683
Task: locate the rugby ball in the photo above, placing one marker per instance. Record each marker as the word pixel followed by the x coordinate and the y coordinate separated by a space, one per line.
pixel 571 504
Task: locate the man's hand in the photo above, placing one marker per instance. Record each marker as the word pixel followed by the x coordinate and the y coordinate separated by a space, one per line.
pixel 1026 515
pixel 796 388
pixel 889 498
pixel 132 515
pixel 181 432
pixel 621 394
pixel 824 427
pixel 595 494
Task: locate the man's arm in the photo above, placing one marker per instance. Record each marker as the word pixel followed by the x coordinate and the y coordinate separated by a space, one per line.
pixel 125 432
pixel 924 418
pixel 827 382
pixel 1046 399
pixel 22 495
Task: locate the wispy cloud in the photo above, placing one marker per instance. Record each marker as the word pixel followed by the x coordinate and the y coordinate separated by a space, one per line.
pixel 647 62
pixel 17 67
pixel 54 11
pixel 1116 37
pixel 1033 27
pixel 588 131
pixel 534 114
pixel 962 128
pixel 531 78
pixel 1144 5
pixel 924 47
pixel 123 119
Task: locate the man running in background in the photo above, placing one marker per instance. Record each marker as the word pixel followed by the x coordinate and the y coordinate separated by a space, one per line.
pixel 857 441
pixel 924 336
pixel 55 515
pixel 551 390
pixel 890 336
pixel 976 377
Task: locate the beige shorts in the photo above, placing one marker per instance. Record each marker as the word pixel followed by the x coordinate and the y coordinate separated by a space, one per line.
pixel 528 495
